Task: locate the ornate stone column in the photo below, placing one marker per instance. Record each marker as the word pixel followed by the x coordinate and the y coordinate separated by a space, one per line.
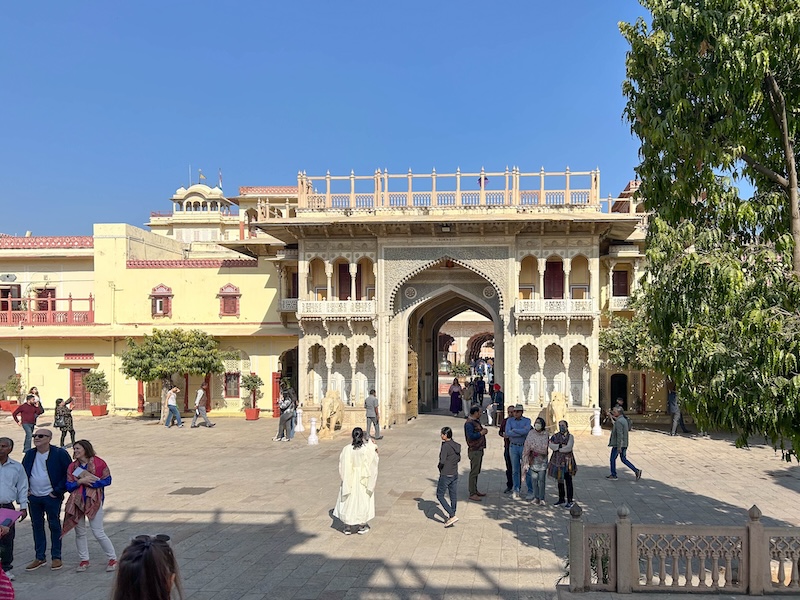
pixel 353 272
pixel 566 361
pixel 567 268
pixel 329 276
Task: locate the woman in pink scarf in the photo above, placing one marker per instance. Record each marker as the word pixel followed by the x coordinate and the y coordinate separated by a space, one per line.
pixel 87 477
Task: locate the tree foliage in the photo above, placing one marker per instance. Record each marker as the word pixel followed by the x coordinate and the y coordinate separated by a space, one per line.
pixel 714 95
pixel 96 383
pixel 169 351
pixel 627 343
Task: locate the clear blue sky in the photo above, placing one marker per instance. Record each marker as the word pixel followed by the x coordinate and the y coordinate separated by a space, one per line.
pixel 105 104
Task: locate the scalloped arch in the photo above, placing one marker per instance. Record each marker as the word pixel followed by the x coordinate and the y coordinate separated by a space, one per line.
pixel 428 265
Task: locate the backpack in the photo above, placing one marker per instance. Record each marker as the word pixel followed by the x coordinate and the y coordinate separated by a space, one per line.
pixel 630 422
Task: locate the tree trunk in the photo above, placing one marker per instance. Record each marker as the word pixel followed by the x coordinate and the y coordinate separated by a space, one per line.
pixel 166 386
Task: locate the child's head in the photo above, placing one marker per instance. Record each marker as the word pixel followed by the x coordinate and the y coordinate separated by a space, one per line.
pixel 147 570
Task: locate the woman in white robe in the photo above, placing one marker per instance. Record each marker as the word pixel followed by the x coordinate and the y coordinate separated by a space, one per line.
pixel 358 468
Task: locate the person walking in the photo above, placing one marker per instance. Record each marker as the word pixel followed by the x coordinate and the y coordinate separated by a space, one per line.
pixel 46 467
pixel 200 406
pixel 497 407
pixel 506 452
pixel 88 476
pixel 480 390
pixel 618 442
pixel 449 457
pixel 534 459
pixel 562 466
pixel 64 420
pixel 13 488
pixel 358 469
pixel 476 442
pixel 172 406
pixel 455 392
pixel 673 408
pixel 516 431
pixel 373 415
pixel 286 405
pixel 25 416
pixel 34 391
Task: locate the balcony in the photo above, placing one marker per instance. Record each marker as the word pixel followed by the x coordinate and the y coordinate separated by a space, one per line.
pixel 336 309
pixel 616 303
pixel 46 311
pixel 555 308
pixel 288 304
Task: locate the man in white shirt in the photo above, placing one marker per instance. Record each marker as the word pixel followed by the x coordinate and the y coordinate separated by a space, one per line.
pixel 46 467
pixel 200 406
pixel 13 488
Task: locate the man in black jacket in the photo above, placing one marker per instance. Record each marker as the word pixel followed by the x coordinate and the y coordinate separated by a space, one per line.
pixel 449 456
pixel 46 467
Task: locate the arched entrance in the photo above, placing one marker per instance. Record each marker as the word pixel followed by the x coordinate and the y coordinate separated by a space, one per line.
pixel 425 302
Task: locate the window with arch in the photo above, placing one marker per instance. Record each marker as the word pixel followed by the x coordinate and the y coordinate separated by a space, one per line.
pixel 161 301
pixel 229 296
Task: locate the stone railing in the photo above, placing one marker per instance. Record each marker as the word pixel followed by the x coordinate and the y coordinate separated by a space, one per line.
pixel 554 307
pixel 625 558
pixel 618 302
pixel 317 309
pixel 288 304
pixel 509 188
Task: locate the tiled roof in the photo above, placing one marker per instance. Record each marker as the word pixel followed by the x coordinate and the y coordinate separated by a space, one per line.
pixel 192 263
pixel 267 190
pixel 66 241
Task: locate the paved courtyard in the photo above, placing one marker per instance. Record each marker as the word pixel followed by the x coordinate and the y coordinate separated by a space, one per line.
pixel 250 518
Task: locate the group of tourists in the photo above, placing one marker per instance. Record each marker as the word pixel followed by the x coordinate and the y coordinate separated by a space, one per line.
pixel 27 413
pixel 463 398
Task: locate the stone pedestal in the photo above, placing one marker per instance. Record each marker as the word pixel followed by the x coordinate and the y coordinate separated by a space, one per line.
pixel 299 426
pixel 596 425
pixel 313 440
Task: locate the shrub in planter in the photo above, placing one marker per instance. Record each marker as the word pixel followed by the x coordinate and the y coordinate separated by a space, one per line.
pixel 252 383
pixel 96 384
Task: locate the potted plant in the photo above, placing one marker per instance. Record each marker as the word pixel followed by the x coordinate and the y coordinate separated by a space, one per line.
pixel 12 390
pixel 252 383
pixel 96 384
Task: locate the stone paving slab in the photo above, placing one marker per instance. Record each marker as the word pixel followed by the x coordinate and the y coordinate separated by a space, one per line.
pixel 258 522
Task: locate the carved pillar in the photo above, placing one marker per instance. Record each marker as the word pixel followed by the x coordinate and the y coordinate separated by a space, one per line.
pixel 566 361
pixel 611 265
pixel 594 278
pixel 636 274
pixel 594 364
pixel 302 280
pixel 540 265
pixel 567 269
pixel 329 277
pixel 540 352
pixel 353 273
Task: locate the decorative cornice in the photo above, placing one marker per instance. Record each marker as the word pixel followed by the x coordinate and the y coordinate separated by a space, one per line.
pixel 66 241
pixel 269 190
pixel 192 263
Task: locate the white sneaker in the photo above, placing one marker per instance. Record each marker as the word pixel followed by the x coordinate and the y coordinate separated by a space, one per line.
pixel 451 521
pixel 10 575
pixel 516 495
pixel 277 439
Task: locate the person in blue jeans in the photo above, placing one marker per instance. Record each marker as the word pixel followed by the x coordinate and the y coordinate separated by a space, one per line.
pixel 618 442
pixel 172 405
pixel 46 468
pixel 449 457
pixel 517 429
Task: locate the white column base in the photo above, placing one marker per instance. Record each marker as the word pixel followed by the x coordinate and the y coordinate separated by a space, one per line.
pixel 313 439
pixel 299 426
pixel 596 430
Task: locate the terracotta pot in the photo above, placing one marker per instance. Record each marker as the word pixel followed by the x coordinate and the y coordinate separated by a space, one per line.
pixel 98 410
pixel 3 404
pixel 251 414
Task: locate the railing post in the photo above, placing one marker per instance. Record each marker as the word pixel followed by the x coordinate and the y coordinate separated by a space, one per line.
pixel 625 550
pixel 758 553
pixel 567 199
pixel 300 191
pixel 434 199
pixel 328 189
pixel 30 308
pixel 352 189
pixel 577 550
pixel 91 309
pixel 386 198
pixel 409 194
pixel 542 200
pixel 458 186
pixel 377 193
pixel 482 179
pixel 506 199
pixel 70 314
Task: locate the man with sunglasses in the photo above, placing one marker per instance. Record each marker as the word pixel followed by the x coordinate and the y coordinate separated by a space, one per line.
pixel 46 467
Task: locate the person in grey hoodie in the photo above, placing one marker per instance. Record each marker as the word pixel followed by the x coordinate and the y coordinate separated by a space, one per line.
pixel 449 457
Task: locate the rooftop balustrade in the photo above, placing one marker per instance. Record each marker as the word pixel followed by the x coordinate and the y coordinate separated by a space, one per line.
pixel 554 307
pixel 343 309
pixel 487 189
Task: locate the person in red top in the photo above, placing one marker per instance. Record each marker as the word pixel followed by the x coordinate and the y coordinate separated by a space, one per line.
pixel 28 411
pixel 506 452
pixel 6 589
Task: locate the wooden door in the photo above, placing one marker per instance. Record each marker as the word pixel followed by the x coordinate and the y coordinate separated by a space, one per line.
pixel 344 281
pixel 45 303
pixel 82 399
pixel 554 280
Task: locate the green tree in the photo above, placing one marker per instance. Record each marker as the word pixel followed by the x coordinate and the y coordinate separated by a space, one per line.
pixel 713 92
pixel 96 383
pixel 169 351
pixel 627 343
